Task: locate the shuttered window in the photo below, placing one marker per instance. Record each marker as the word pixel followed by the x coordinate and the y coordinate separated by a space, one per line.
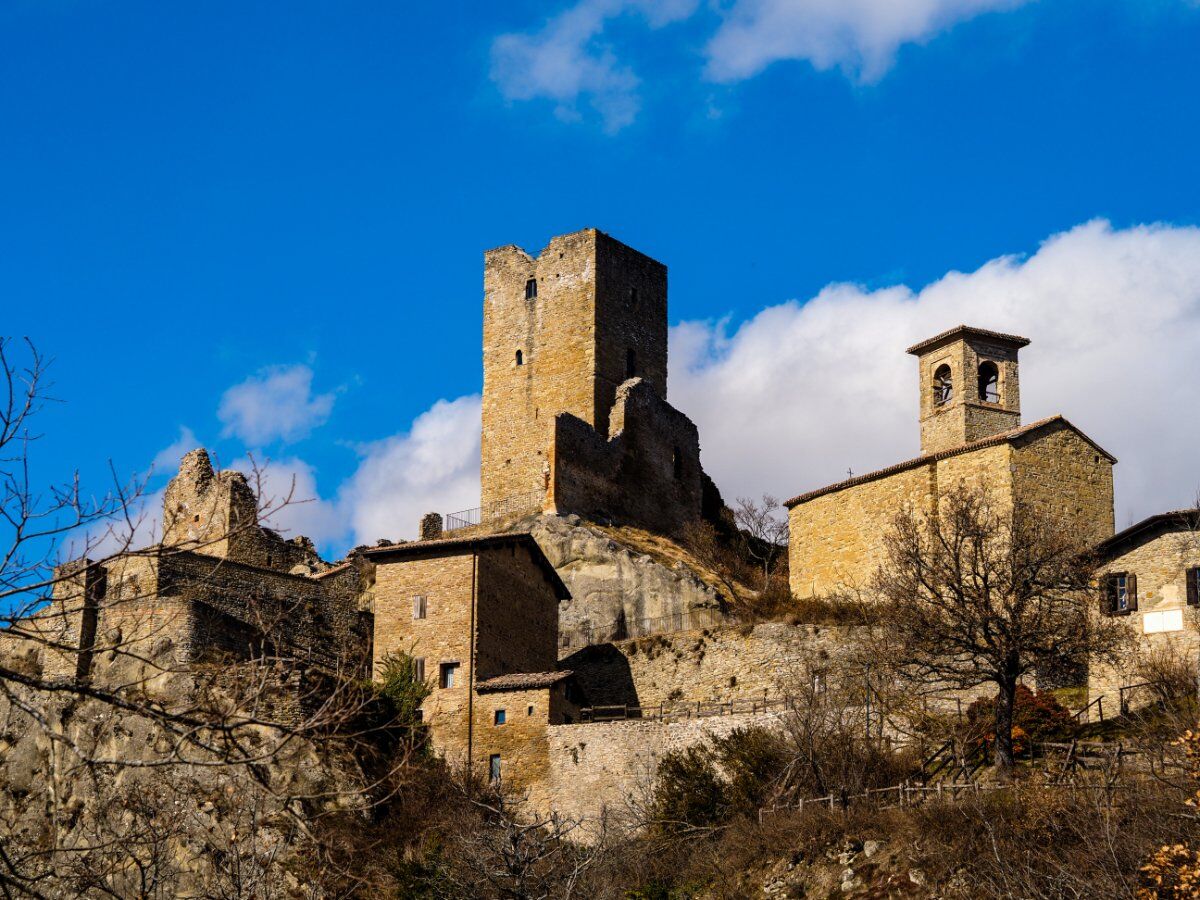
pixel 1120 593
pixel 1193 586
pixel 420 606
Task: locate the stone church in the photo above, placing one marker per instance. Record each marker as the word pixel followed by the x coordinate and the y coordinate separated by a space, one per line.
pixel 971 431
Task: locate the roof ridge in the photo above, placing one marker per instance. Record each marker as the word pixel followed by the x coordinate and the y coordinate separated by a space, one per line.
pixel 990 441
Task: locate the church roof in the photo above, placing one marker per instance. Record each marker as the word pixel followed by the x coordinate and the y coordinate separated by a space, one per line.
pixel 1003 437
pixel 967 330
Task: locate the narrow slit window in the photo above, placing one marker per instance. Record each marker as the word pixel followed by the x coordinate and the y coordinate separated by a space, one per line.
pixel 677 464
pixel 420 606
pixel 520 358
pixel 530 288
pixel 633 296
pixel 630 363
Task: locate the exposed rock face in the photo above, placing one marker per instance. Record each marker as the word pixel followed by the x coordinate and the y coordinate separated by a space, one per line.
pixel 614 586
pixel 101 801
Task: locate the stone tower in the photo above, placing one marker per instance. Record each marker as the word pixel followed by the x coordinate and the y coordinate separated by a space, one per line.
pixel 969 386
pixel 561 332
pixel 206 509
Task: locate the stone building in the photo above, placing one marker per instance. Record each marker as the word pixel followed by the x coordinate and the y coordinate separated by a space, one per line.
pixel 970 433
pixel 218 584
pixel 1149 580
pixel 480 617
pixel 575 415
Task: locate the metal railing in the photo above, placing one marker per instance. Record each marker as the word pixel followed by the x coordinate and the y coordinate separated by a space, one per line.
pixel 624 629
pixel 699 709
pixel 499 511
pixel 1126 693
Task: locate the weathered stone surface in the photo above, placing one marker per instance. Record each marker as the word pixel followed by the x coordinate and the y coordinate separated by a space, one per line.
pixel 1160 555
pixel 610 582
pixel 575 415
pixel 837 532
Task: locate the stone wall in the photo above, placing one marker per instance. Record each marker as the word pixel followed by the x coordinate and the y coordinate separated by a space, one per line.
pixel 518 614
pixel 445 635
pixel 608 768
pixel 646 472
pixel 716 664
pixel 216 513
pixel 573 338
pixel 836 540
pixel 837 537
pixel 1160 564
pixel 1066 478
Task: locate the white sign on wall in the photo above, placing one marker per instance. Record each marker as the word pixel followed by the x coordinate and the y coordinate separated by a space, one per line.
pixel 1162 620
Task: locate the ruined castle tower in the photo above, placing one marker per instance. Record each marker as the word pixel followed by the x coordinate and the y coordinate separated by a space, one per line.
pixel 561 332
pixel 969 386
pixel 216 513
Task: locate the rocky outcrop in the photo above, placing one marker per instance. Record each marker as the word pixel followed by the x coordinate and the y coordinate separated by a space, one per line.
pixel 117 799
pixel 614 585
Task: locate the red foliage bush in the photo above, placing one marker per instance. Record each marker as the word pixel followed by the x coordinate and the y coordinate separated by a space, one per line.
pixel 1037 716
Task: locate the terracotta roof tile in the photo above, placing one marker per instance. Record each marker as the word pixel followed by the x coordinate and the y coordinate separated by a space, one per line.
pixel 967 329
pixel 996 439
pixel 522 681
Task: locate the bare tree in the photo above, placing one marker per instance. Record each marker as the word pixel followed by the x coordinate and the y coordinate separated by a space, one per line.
pixel 122 754
pixel 983 593
pixel 764 532
pixel 508 856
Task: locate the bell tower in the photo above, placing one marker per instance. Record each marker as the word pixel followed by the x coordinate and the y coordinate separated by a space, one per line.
pixel 970 388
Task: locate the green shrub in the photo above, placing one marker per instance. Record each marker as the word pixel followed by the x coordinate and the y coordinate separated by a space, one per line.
pixel 399 687
pixel 689 792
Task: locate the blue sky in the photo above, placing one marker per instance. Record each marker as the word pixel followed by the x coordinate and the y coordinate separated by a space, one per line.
pixel 290 201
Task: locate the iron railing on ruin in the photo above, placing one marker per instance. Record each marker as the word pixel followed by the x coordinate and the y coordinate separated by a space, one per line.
pixel 497 512
pixel 624 629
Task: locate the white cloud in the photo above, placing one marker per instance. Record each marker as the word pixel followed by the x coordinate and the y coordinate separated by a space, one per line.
pixel 860 37
pixel 166 461
pixel 434 467
pixel 802 392
pixel 275 403
pixel 288 494
pixel 566 61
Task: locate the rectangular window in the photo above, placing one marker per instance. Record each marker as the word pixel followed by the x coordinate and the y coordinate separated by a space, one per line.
pixel 1193 586
pixel 447 675
pixel 419 669
pixel 494 767
pixel 530 712
pixel 1120 593
pixel 420 607
pixel 530 288
pixel 1162 620
pixel 501 717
